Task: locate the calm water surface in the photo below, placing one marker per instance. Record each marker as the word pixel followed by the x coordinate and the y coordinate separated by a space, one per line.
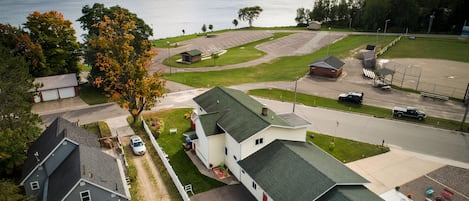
pixel 167 18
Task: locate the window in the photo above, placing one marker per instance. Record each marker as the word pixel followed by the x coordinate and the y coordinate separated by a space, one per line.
pixel 85 196
pixel 226 151
pixel 235 157
pixel 254 185
pixel 34 185
pixel 259 141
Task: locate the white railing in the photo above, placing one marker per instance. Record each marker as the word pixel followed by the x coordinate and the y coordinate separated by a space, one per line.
pixel 166 163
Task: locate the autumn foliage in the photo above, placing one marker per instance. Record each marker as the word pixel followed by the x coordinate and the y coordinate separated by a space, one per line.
pixel 121 71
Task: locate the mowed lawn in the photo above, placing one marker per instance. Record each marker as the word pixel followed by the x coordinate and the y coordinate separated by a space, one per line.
pixel 433 48
pixel 280 69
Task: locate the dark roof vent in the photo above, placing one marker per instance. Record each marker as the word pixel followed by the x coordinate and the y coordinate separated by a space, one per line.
pixel 264 110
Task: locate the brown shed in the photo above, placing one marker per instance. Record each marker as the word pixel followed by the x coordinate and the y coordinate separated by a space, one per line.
pixel 191 56
pixel 329 66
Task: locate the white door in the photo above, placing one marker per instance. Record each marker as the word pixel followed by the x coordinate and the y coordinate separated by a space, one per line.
pixel 67 92
pixel 50 95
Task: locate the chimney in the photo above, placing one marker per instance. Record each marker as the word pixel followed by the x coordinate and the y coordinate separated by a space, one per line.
pixel 264 110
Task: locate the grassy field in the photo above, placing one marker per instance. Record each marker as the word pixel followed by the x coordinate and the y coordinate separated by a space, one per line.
pixel 172 146
pixel 432 48
pixel 310 100
pixel 345 150
pixel 234 55
pixel 280 69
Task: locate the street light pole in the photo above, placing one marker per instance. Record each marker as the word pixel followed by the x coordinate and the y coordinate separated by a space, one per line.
pixel 377 31
pixel 431 22
pixel 169 58
pixel 386 25
pixel 294 97
pixel 328 33
pixel 350 24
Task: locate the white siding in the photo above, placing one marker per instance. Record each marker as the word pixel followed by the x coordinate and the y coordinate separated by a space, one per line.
pixel 216 149
pixel 233 151
pixel 68 92
pixel 201 148
pixel 270 134
pixel 50 95
pixel 246 180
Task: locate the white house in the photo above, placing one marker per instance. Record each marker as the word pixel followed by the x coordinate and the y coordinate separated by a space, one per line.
pixel 268 152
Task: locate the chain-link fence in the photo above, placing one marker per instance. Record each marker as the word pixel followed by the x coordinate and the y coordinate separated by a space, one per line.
pixel 410 77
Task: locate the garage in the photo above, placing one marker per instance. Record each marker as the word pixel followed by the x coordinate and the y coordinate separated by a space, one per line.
pixel 68 92
pixel 50 95
pixel 55 87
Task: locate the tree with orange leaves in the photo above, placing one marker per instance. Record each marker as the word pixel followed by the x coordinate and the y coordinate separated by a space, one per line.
pixel 123 74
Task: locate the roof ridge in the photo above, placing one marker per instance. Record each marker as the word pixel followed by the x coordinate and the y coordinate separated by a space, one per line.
pixel 244 106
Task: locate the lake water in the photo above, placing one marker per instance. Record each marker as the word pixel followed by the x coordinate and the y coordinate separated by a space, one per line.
pixel 167 18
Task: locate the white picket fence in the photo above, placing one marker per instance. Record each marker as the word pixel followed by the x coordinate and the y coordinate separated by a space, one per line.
pixel 166 163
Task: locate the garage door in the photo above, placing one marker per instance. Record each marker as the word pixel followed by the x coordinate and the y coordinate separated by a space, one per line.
pixel 67 92
pixel 50 95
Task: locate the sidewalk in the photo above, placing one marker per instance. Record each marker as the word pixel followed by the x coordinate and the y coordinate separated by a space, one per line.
pixel 400 168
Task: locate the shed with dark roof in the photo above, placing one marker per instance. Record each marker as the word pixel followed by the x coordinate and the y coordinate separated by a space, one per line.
pixel 329 67
pixel 191 56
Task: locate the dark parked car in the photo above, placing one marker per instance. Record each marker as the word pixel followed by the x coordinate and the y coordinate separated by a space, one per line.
pixel 411 112
pixel 351 97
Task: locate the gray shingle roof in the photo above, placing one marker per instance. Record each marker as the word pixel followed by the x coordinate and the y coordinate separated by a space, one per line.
pixel 242 116
pixel 90 164
pixel 328 62
pixel 294 120
pixel 349 193
pixel 49 139
pixel 57 81
pixel 288 169
pixel 209 123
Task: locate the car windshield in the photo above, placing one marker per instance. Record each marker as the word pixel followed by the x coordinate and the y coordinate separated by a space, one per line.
pixel 137 144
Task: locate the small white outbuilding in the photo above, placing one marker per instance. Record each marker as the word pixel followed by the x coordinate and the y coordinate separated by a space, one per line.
pixel 55 87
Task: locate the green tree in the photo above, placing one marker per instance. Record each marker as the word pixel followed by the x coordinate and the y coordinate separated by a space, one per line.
pixel 249 14
pixel 123 74
pixel 18 126
pixel 320 11
pixel 403 14
pixel 235 23
pixel 302 16
pixel 12 192
pixel 93 16
pixel 204 28
pixel 375 14
pixel 19 43
pixel 58 42
pixel 210 26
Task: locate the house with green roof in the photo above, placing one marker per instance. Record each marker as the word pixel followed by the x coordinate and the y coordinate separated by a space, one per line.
pixel 268 152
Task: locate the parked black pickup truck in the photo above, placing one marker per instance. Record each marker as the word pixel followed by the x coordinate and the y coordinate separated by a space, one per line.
pixel 411 112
